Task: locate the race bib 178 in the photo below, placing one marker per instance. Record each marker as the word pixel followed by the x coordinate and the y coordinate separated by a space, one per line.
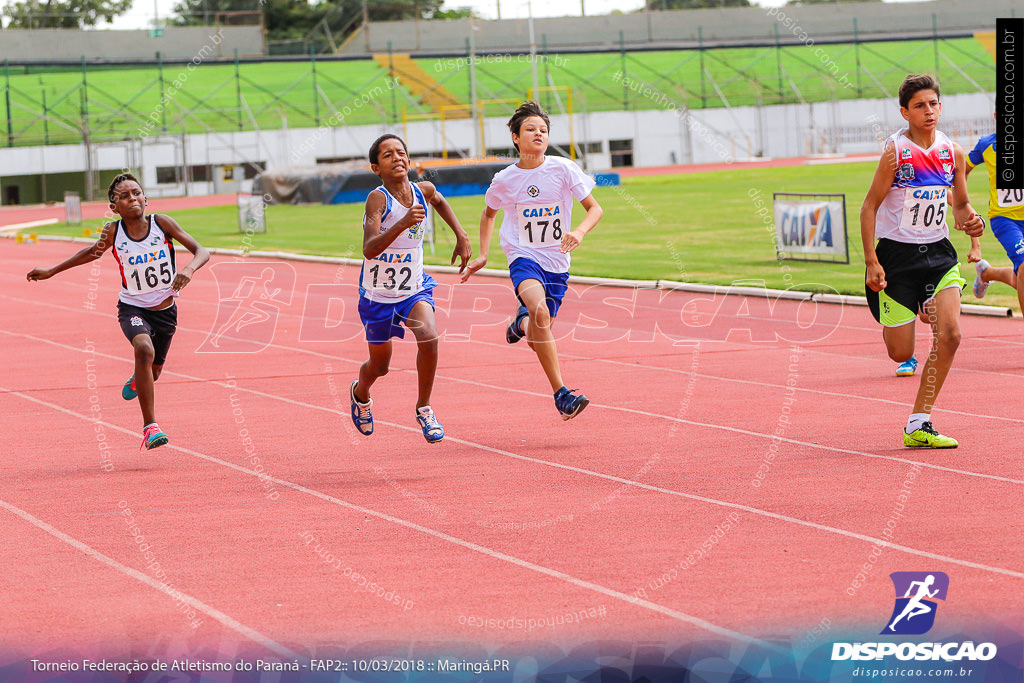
pixel 540 225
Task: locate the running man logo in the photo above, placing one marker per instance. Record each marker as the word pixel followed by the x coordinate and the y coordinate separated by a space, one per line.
pixel 251 296
pixel 916 595
pixel 806 226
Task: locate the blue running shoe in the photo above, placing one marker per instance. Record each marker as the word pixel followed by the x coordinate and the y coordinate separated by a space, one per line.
pixel 514 332
pixel 907 368
pixel 980 286
pixel 569 404
pixel 362 416
pixel 433 431
pixel 152 437
pixel 128 390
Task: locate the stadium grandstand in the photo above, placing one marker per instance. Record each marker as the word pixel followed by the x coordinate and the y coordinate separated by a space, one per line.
pixel 212 106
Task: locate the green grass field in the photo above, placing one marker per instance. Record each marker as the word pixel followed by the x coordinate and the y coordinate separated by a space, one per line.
pixel 693 228
pixel 53 105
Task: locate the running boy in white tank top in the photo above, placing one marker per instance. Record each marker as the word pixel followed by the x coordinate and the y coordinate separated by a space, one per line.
pixel 150 282
pixel 393 289
pixel 914 266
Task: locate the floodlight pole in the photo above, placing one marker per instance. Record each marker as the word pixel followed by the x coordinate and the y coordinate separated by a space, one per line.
pixel 533 51
pixel 366 24
pixel 477 119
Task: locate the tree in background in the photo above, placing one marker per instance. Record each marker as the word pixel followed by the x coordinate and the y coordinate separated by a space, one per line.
pixel 794 3
pixel 696 4
pixel 296 19
pixel 63 13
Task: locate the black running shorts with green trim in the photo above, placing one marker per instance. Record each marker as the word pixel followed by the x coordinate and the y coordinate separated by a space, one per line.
pixel 913 274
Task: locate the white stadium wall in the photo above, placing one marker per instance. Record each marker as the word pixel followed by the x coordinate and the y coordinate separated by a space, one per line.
pixel 182 43
pixel 824 21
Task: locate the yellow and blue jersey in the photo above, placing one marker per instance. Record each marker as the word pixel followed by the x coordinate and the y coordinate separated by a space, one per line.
pixel 1007 203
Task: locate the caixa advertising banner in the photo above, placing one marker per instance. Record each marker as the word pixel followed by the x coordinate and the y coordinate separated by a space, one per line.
pixel 811 227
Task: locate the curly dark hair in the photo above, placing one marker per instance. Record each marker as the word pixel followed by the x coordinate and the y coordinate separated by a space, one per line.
pixel 375 147
pixel 117 181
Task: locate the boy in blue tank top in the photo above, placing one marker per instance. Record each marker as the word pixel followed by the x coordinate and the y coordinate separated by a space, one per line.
pixel 393 288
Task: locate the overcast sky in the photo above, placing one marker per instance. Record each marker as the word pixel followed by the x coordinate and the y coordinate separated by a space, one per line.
pixel 142 12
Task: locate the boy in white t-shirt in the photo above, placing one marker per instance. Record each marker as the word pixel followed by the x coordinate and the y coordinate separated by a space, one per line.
pixel 536 235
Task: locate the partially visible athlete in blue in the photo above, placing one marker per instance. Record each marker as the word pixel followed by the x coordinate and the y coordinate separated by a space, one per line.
pixel 1006 216
pixel 393 289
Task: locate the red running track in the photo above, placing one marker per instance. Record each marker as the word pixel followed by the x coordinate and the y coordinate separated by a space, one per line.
pixel 280 529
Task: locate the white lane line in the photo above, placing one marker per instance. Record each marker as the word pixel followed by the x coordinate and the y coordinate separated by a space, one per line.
pixel 671 418
pixel 469 545
pixel 174 593
pixel 578 470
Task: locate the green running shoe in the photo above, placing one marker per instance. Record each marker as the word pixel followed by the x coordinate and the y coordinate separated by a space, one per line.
pixel 927 437
pixel 128 390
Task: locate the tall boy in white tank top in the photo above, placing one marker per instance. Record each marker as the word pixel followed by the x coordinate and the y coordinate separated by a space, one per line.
pixel 914 266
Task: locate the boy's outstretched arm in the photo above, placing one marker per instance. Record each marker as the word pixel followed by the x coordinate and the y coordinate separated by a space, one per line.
pixel 200 255
pixel 880 184
pixel 974 255
pixel 486 228
pixel 86 255
pixel 463 249
pixel 573 239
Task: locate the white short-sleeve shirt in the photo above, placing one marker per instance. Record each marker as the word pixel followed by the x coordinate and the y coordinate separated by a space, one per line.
pixel 538 209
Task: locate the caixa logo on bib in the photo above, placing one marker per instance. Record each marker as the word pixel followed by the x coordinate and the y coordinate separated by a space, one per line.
pixel 916 605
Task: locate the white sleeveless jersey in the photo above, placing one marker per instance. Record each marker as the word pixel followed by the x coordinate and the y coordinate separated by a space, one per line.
pixel 915 209
pixel 147 265
pixel 397 273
